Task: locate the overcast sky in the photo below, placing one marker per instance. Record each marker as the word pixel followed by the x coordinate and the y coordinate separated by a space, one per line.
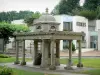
pixel 33 5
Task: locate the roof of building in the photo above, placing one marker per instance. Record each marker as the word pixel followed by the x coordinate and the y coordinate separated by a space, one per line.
pixel 46 18
pixel 50 33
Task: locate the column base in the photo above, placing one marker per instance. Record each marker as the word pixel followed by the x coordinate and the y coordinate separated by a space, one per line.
pixel 52 67
pixel 79 65
pixel 57 62
pixel 70 62
pixel 43 66
pixel 23 63
pixel 49 61
pixel 68 68
pixel 17 62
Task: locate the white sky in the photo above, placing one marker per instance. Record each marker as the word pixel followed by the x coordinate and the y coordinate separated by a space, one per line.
pixel 33 5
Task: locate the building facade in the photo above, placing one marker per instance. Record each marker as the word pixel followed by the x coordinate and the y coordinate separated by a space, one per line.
pixel 75 24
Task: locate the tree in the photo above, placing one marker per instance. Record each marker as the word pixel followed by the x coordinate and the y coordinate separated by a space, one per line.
pixel 91 4
pixel 7 30
pixel 29 20
pixel 55 11
pixel 13 15
pixel 66 6
pixel 90 14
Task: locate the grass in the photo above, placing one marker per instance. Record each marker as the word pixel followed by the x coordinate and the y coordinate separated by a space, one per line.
pixel 93 72
pixel 11 59
pixel 87 62
pixel 90 72
pixel 23 72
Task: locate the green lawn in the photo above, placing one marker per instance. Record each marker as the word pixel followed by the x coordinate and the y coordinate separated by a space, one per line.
pixel 93 72
pixel 87 62
pixel 11 59
pixel 23 72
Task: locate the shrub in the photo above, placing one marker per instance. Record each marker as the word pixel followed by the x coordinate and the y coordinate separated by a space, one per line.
pixel 4 56
pixel 73 47
pixel 6 71
pixel 90 14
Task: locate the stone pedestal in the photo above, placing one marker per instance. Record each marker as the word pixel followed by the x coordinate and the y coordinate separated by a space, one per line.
pixel 23 63
pixel 52 67
pixel 57 61
pixel 17 62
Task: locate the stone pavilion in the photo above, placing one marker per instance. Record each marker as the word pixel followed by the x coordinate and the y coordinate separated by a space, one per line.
pixel 46 31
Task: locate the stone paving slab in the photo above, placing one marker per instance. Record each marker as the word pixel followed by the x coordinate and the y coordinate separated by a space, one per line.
pixel 38 69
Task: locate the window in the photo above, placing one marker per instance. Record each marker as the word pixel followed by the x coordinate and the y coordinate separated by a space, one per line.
pixel 81 24
pixel 38 27
pixel 67 26
pixel 91 28
pixel 53 28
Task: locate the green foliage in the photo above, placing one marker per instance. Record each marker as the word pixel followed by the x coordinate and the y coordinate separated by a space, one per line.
pixel 6 71
pixel 92 72
pixel 55 11
pixel 29 20
pixel 87 62
pixel 90 14
pixel 91 4
pixel 90 9
pixel 23 72
pixel 66 7
pixel 73 47
pixel 11 59
pixel 13 15
pixel 7 30
pixel 4 56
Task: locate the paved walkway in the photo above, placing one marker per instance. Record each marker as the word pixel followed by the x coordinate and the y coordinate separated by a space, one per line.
pixel 87 54
pixel 31 68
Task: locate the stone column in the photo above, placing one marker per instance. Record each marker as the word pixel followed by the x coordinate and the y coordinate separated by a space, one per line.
pixel 57 52
pixel 49 53
pixel 79 55
pixel 17 52
pixel 70 56
pixel 43 54
pixel 23 53
pixel 46 52
pixel 52 65
pixel 35 50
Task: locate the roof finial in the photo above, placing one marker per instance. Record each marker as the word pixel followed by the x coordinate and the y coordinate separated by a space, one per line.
pixel 47 10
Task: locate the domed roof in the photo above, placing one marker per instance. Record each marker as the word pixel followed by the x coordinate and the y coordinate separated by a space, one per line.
pixel 45 18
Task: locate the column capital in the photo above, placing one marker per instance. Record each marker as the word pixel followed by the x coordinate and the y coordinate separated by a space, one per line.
pixel 52 39
pixel 78 40
pixel 70 40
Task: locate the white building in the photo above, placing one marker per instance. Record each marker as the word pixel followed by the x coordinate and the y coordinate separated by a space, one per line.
pixel 94 34
pixel 76 24
pixel 73 23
